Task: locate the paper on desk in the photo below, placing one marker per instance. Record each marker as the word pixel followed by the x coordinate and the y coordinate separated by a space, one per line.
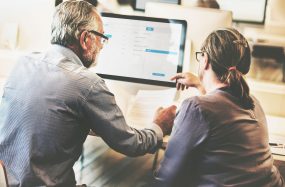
pixel 122 97
pixel 144 105
pixel 278 150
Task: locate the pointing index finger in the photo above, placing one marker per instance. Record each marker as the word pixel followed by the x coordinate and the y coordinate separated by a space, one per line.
pixel 178 75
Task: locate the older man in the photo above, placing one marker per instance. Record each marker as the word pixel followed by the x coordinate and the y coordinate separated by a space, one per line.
pixel 51 101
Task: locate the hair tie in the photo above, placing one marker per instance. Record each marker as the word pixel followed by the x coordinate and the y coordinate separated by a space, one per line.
pixel 232 68
pixel 241 42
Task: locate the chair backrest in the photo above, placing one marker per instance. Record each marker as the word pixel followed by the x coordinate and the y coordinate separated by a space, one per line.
pixel 3 175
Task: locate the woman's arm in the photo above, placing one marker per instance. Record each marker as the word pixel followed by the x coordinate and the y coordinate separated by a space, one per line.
pixel 190 130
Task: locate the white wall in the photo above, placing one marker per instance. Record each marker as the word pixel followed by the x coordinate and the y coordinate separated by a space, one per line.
pixel 33 19
pixel 24 26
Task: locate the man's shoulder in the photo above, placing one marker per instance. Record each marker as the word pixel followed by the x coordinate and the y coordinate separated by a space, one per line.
pixel 76 70
pixel 80 75
pixel 90 75
pixel 30 57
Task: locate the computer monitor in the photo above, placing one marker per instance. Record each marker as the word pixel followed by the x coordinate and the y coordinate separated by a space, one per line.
pixel 142 49
pixel 248 11
pixel 140 4
pixel 275 17
pixel 201 22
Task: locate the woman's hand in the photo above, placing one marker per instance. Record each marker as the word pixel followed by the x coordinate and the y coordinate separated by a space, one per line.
pixel 186 80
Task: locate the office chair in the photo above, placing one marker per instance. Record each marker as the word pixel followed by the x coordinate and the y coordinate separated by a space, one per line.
pixel 3 175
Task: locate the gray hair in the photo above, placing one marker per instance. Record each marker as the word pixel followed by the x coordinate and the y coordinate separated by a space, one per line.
pixel 69 19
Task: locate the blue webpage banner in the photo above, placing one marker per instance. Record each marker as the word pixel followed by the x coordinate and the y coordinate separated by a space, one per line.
pixel 161 51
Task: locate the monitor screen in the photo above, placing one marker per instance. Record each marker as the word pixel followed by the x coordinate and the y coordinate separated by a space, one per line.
pixel 140 4
pixel 142 49
pixel 249 11
pixel 201 22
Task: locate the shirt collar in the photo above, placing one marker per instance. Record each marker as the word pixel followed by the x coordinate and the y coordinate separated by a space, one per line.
pixel 58 51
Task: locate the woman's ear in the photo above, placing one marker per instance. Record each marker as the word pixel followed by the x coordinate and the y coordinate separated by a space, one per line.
pixel 206 61
pixel 83 39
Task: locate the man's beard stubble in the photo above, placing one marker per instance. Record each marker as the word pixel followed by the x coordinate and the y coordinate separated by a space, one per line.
pixel 90 58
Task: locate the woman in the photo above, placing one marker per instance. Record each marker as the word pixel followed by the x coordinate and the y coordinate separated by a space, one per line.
pixel 207 4
pixel 219 138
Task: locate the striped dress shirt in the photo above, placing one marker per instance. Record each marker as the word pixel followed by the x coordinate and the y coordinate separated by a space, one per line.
pixel 49 104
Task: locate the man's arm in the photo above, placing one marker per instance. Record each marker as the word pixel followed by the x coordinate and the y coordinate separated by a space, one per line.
pixel 107 121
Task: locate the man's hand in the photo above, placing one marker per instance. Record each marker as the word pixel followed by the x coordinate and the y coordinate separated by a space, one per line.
pixel 186 80
pixel 164 118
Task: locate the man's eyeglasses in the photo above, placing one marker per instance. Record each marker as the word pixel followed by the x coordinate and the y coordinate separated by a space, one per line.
pixel 104 39
pixel 199 55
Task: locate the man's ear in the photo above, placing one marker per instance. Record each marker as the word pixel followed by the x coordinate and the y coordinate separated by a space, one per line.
pixel 83 39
